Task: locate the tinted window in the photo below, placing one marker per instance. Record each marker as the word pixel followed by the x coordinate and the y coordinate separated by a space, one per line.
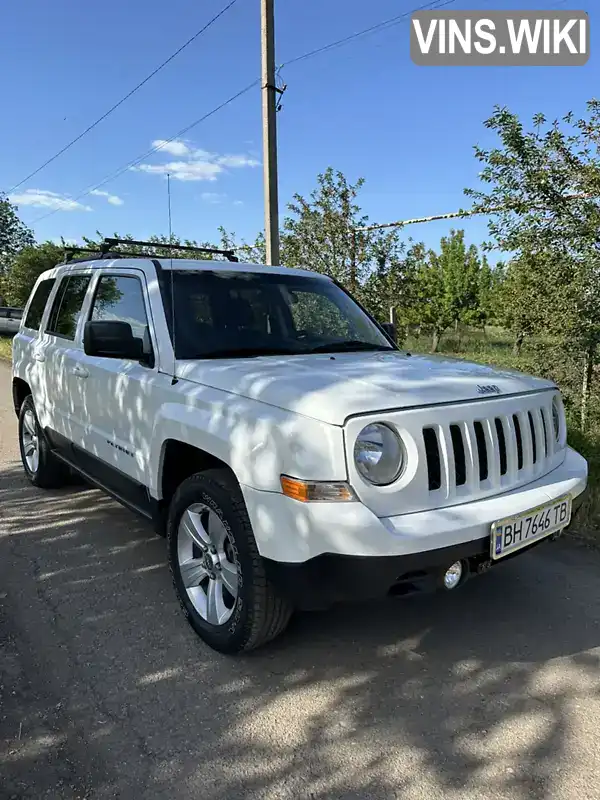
pixel 316 315
pixel 66 308
pixel 120 298
pixel 233 314
pixel 38 304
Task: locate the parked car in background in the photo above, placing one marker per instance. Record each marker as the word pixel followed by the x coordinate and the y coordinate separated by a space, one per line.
pixel 10 319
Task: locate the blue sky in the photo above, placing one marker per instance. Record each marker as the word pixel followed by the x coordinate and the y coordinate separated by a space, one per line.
pixel 364 109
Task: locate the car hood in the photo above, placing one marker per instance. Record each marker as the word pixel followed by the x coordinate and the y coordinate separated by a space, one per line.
pixel 333 387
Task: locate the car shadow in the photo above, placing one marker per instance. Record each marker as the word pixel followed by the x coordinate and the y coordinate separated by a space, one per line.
pixel 107 691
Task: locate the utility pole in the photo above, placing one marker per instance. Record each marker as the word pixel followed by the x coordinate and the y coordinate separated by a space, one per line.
pixel 269 104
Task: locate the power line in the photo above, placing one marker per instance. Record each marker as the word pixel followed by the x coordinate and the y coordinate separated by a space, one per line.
pixel 153 150
pixel 487 211
pixel 126 97
pixel 379 26
pixel 387 23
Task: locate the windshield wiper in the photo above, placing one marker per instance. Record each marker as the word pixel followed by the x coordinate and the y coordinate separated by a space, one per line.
pixel 246 352
pixel 351 344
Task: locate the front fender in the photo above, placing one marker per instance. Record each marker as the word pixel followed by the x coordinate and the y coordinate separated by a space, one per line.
pixel 257 441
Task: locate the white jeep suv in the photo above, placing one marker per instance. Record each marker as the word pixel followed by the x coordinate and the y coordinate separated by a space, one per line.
pixel 292 454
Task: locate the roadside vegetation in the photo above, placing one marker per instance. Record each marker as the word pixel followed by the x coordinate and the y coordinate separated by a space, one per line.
pixel 533 306
pixel 6 347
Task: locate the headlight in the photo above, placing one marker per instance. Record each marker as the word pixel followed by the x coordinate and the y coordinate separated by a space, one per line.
pixel 556 418
pixel 378 454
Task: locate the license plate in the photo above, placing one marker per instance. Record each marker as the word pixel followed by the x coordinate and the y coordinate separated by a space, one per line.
pixel 513 533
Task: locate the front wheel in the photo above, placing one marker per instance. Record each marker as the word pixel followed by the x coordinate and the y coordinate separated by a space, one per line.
pixel 217 571
pixel 41 467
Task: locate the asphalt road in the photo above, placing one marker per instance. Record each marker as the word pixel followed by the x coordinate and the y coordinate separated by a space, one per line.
pixel 105 692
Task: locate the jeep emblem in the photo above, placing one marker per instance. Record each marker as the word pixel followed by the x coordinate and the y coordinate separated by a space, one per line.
pixel 489 389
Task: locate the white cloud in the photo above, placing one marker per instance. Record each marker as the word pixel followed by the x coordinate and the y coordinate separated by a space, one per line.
pixel 238 202
pixel 213 197
pixel 203 155
pixel 41 198
pixel 174 148
pixel 237 161
pixel 184 170
pixel 194 164
pixel 113 199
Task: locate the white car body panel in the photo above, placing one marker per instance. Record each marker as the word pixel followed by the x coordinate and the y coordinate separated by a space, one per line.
pixel 333 387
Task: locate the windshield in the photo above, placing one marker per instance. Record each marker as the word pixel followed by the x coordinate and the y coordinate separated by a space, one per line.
pixel 244 314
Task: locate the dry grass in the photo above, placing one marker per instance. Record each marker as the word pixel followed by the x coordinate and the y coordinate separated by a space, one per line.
pixel 6 347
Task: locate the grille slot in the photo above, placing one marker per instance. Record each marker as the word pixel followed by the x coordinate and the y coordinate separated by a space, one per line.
pixel 519 439
pixel 533 439
pixel 481 451
pixel 458 445
pixel 434 462
pixel 543 416
pixel 501 445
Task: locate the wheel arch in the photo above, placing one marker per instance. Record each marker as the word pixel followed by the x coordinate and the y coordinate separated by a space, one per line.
pixel 20 390
pixel 179 460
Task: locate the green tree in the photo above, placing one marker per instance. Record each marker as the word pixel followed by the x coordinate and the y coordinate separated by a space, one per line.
pixel 14 236
pixel 445 287
pixel 390 287
pixel 460 267
pixel 544 185
pixel 255 253
pixel 320 234
pixel 491 281
pixel 30 262
pixel 534 284
pixel 430 308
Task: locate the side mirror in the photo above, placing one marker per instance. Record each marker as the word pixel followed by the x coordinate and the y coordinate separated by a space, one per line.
pixel 111 340
pixel 390 329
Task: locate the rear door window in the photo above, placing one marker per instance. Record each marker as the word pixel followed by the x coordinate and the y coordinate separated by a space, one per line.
pixel 67 306
pixel 38 304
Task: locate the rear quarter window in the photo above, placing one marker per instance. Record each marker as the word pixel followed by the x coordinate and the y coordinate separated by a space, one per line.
pixel 38 304
pixel 67 306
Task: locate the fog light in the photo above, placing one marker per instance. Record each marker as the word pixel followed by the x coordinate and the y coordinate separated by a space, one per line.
pixel 453 575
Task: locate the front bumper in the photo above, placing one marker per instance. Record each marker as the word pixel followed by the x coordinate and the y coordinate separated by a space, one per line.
pixel 292 533
pixel 329 578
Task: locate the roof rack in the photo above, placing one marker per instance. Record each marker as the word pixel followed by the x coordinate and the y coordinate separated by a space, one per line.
pixel 110 242
pixel 71 250
pixel 104 251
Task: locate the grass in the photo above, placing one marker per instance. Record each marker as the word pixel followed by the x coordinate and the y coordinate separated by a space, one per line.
pixel 6 347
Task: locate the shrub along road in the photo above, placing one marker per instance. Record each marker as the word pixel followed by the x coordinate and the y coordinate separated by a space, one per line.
pixel 106 693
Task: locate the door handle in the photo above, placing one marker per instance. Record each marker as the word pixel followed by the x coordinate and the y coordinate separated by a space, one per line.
pixel 79 371
pixel 39 357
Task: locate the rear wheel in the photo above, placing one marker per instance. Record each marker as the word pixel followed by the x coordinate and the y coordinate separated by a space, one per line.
pixel 41 467
pixel 217 571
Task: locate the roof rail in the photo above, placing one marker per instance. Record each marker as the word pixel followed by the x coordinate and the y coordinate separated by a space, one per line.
pixel 110 242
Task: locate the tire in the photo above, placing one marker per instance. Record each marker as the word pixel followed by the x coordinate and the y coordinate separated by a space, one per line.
pixel 210 503
pixel 41 467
